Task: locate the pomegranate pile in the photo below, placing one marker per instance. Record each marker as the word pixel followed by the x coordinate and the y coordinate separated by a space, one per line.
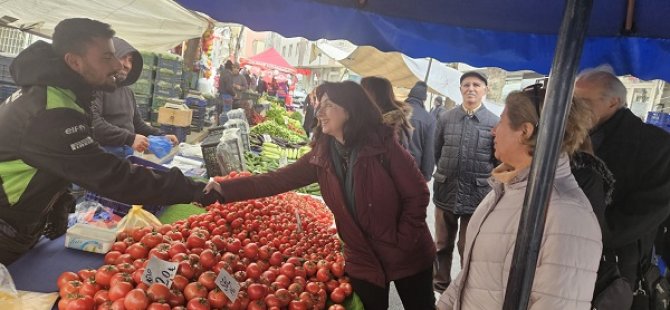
pixel 283 251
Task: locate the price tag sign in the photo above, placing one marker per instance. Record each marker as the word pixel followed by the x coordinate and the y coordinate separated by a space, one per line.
pixel 159 271
pixel 267 138
pixel 228 285
pixel 299 221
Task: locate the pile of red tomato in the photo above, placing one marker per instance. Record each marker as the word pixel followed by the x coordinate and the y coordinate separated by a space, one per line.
pixel 279 263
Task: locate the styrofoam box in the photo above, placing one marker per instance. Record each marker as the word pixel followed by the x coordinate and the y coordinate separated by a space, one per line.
pixel 89 238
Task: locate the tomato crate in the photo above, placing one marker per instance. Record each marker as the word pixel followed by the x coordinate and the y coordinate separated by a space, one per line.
pixel 120 208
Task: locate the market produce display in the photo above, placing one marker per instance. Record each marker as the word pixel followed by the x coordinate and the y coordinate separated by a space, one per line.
pixel 258 164
pixel 278 131
pixel 281 124
pixel 282 250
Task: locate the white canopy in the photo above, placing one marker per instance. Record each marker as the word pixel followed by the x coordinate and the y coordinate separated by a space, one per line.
pixel 152 25
pixel 401 70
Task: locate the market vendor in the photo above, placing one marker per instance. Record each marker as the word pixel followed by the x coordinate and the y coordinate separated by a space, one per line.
pixel 117 122
pixel 46 140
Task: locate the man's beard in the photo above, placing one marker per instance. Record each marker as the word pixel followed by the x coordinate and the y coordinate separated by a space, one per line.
pixel 106 86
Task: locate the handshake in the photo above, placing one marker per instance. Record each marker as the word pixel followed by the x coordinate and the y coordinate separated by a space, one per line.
pixel 210 194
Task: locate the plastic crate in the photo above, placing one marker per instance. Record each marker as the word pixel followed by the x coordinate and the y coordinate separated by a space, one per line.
pixel 6 90
pixel 165 89
pixel 142 87
pixel 122 208
pixel 168 76
pixel 158 101
pixel 214 131
pixel 175 65
pixel 656 118
pixel 145 112
pixel 5 76
pixel 195 102
pixel 180 132
pixel 147 74
pixel 142 99
pixel 208 147
pixel 149 58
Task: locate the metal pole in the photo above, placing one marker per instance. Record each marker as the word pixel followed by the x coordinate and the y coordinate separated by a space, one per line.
pixel 543 169
pixel 430 63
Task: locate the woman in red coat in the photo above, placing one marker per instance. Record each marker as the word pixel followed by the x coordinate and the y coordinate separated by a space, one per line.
pixel 375 191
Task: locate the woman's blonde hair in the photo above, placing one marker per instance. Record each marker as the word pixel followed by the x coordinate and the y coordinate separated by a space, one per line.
pixel 523 107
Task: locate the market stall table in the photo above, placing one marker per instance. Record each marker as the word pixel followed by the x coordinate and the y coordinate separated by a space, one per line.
pixel 38 270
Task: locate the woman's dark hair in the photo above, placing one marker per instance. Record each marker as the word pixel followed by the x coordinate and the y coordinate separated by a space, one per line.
pixel 228 65
pixel 364 115
pixel 72 35
pixel 380 91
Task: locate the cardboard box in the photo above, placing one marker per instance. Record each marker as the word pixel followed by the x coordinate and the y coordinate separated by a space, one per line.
pixel 175 115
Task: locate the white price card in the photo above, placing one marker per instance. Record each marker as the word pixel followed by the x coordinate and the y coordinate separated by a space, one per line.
pixel 228 285
pixel 299 221
pixel 159 271
pixel 267 138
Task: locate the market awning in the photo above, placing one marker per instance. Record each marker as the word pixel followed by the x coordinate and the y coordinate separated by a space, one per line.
pixel 270 60
pixel 401 70
pixel 513 35
pixel 153 25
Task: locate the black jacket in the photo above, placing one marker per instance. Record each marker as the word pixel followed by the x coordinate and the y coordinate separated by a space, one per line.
pixel 422 144
pixel 116 119
pixel 464 157
pixel 638 155
pixel 46 145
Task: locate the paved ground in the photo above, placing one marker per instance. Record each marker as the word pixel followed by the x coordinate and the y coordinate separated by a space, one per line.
pixel 394 299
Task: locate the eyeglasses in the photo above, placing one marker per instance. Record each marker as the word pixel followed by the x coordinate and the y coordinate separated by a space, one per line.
pixel 534 92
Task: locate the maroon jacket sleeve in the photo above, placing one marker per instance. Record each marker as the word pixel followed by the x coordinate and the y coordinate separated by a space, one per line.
pixel 413 191
pixel 293 176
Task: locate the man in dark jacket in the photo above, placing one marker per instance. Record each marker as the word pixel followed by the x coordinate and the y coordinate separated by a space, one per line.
pixel 117 123
pixel 46 139
pixel 639 157
pixel 464 156
pixel 438 110
pixel 422 144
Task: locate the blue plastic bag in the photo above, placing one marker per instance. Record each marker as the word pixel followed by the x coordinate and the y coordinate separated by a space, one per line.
pixel 160 146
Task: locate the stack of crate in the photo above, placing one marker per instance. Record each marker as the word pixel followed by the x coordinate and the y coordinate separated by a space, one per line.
pixel 160 80
pixel 143 88
pixel 199 107
pixel 7 86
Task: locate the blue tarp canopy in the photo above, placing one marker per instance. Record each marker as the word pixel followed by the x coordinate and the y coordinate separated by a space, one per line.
pixel 511 34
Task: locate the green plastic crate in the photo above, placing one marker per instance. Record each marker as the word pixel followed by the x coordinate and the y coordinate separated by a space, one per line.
pixel 142 87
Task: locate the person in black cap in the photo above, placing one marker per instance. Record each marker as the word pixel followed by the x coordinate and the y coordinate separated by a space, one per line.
pixel 422 142
pixel 464 157
pixel 439 109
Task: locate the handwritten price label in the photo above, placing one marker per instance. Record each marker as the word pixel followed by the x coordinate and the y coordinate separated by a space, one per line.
pixel 299 221
pixel 159 271
pixel 228 285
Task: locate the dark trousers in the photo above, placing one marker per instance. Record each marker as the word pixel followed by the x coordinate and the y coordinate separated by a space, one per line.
pixel 446 230
pixel 415 292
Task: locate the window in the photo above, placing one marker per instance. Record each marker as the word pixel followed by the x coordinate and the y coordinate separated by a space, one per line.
pixel 290 50
pixel 283 51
